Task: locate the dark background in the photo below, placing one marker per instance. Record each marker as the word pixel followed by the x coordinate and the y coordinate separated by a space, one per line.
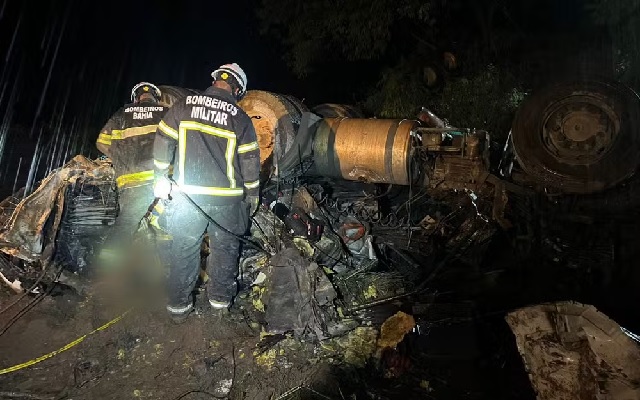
pixel 67 65
pixel 79 59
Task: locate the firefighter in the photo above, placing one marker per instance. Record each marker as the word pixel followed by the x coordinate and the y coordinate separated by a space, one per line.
pixel 127 139
pixel 210 146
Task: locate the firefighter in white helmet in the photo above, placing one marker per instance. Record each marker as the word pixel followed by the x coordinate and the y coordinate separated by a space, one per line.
pixel 211 144
pixel 127 139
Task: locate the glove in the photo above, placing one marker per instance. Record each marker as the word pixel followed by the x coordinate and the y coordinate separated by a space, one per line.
pixel 253 202
pixel 162 188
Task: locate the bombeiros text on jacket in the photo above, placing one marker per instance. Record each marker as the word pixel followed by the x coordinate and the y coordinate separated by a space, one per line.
pixel 211 109
pixel 143 112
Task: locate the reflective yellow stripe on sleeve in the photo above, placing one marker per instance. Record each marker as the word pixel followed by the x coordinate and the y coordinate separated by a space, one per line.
pixel 252 185
pixel 245 148
pixel 104 139
pixel 135 178
pixel 161 164
pixel 167 130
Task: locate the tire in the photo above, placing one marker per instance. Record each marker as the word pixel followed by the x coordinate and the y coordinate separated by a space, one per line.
pixel 579 137
pixel 276 119
pixel 330 110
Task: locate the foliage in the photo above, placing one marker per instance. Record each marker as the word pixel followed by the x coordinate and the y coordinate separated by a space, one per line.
pixel 406 36
pixel 622 19
pixel 351 29
pixel 399 93
pixel 485 100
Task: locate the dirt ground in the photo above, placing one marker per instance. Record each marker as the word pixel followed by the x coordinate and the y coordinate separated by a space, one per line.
pixel 461 348
pixel 144 355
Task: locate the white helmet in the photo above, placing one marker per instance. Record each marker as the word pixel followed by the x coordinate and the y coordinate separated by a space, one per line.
pixel 145 87
pixel 234 71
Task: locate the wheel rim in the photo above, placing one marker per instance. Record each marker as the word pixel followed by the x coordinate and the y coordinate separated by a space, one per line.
pixel 579 130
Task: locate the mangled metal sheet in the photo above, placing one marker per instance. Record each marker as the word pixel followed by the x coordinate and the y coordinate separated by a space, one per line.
pixel 30 232
pixel 299 295
pixel 573 351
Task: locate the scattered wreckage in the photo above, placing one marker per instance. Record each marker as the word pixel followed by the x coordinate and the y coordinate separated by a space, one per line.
pixel 573 351
pixel 345 197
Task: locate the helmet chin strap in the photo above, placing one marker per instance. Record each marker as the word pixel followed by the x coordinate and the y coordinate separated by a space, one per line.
pixel 235 90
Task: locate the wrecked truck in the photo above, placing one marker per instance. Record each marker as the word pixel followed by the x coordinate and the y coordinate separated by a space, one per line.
pixel 345 228
pixel 424 187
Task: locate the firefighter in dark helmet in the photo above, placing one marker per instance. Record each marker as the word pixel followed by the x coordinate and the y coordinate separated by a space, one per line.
pixel 211 144
pixel 127 139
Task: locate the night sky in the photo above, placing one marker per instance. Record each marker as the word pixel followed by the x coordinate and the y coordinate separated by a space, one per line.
pixel 69 64
pixel 84 57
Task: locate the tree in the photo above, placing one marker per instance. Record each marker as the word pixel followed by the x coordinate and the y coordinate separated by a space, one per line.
pixel 352 29
pixel 622 20
pixel 405 41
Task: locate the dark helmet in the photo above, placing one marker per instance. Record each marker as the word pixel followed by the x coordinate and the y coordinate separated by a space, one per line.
pixel 145 87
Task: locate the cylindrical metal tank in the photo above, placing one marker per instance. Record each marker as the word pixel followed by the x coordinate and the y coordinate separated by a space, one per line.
pixel 329 110
pixel 276 119
pixel 370 150
pixel 172 93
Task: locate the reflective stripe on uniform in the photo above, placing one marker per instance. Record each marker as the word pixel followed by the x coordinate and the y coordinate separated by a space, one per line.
pixel 131 132
pixel 137 177
pixel 167 130
pixel 105 139
pixel 211 130
pixel 179 310
pixel 231 152
pixel 159 208
pixel 218 304
pixel 252 185
pixel 245 148
pixel 161 164
pixel 229 155
pixel 211 191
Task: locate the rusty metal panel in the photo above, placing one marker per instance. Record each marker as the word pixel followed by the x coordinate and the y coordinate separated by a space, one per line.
pixel 370 150
pixel 455 172
pixel 276 119
pixel 573 351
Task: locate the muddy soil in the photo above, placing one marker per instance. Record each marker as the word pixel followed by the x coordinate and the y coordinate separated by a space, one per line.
pixel 143 356
pixel 462 349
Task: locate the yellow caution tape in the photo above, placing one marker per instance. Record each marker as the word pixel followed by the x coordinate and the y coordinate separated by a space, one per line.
pixel 67 347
